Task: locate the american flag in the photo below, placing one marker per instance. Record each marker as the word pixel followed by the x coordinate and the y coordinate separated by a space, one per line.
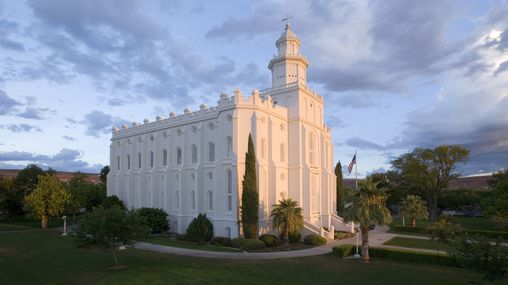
pixel 351 164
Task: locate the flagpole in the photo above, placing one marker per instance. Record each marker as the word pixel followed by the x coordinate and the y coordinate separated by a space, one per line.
pixel 356 172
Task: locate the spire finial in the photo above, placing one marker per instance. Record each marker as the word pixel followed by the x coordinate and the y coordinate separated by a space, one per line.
pixel 287 21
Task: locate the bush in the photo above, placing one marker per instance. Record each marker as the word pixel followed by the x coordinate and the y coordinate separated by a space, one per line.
pixel 294 237
pixel 200 229
pixel 222 241
pixel 343 250
pixel 247 244
pixel 342 235
pixel 411 256
pixel 111 201
pixel 270 240
pixel 410 230
pixel 314 239
pixel 154 218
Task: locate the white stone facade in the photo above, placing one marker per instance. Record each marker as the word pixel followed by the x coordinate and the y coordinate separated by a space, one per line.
pixel 194 162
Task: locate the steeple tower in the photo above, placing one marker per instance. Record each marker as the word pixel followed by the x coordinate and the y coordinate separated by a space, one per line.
pixel 288 66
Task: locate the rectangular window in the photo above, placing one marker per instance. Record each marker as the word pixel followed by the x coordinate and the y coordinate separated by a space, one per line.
pixel 211 152
pixel 151 159
pixel 128 162
pixel 118 163
pixel 178 156
pixel 139 160
pixel 164 158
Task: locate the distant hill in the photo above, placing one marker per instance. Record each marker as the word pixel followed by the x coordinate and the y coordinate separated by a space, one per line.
pixel 479 182
pixel 63 176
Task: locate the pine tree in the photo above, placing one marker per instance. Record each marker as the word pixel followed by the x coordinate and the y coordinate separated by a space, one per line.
pixel 340 187
pixel 250 198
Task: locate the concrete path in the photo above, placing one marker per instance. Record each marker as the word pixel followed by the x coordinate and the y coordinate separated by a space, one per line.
pixel 377 237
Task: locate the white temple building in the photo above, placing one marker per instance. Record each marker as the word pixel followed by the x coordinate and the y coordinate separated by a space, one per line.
pixel 194 162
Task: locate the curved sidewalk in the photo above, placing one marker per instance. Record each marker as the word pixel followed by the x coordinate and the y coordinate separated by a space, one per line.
pixel 377 238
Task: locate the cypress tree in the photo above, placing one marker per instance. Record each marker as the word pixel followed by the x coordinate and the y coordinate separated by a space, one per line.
pixel 250 199
pixel 340 187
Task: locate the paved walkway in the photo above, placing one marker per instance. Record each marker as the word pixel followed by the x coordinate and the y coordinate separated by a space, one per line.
pixel 377 237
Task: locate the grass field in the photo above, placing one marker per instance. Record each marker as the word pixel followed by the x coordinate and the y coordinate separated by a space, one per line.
pixel 23 221
pixel 470 223
pixel 417 243
pixel 45 257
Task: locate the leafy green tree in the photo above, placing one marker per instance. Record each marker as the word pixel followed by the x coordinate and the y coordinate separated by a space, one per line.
pixel 104 174
pixel 428 171
pixel 11 200
pixel 84 194
pixel 200 229
pixel 444 229
pixel 110 228
pixel 497 206
pixel 26 181
pixel 366 207
pixel 413 207
pixel 339 187
pixel 49 199
pixel 287 218
pixel 250 198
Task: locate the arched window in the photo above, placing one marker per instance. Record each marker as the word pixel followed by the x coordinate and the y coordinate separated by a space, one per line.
pixel 128 161
pixel 177 199
pixel 139 160
pixel 118 162
pixel 193 200
pixel 229 147
pixel 312 148
pixel 164 157
pixel 227 232
pixel 151 159
pixel 211 151
pixel 210 200
pixel 282 152
pixel 229 190
pixel 178 155
pixel 194 153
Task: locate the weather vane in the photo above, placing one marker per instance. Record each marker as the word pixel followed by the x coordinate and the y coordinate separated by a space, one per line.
pixel 287 19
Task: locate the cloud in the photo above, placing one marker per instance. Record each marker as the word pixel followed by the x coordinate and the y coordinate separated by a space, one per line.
pixel 98 123
pixel 19 128
pixel 65 160
pixel 7 28
pixel 33 113
pixel 363 144
pixel 69 138
pixel 7 104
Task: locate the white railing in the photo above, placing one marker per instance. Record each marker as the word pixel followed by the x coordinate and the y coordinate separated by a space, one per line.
pixel 278 88
pixel 341 221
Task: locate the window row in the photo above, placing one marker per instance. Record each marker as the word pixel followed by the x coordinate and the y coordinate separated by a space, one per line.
pixel 179 154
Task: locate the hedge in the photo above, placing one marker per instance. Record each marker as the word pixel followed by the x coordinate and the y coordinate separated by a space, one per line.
pixel 247 244
pixel 411 256
pixel 270 240
pixel 222 241
pixel 487 234
pixel 314 239
pixel 342 235
pixel 343 250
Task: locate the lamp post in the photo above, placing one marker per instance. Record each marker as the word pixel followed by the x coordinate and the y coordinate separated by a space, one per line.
pixel 357 255
pixel 65 226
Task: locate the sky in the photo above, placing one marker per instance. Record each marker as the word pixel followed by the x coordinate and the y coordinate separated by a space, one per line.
pixel 395 75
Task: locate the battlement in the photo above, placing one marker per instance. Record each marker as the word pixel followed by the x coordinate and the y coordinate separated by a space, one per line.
pixel 205 113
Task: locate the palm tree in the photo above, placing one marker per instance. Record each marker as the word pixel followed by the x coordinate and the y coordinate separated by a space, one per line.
pixel 413 207
pixel 366 207
pixel 287 218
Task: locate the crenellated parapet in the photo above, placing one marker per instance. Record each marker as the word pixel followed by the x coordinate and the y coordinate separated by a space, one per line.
pixel 225 102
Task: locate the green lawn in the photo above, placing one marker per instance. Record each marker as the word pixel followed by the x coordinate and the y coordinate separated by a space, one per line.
pixel 417 243
pixel 33 224
pixel 191 245
pixel 470 223
pixel 45 257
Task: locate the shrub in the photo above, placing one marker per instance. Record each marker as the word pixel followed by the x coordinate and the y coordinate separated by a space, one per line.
pixel 314 239
pixel 410 229
pixel 200 229
pixel 222 241
pixel 111 201
pixel 247 244
pixel 154 218
pixel 342 235
pixel 294 237
pixel 270 240
pixel 343 250
pixel 411 256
